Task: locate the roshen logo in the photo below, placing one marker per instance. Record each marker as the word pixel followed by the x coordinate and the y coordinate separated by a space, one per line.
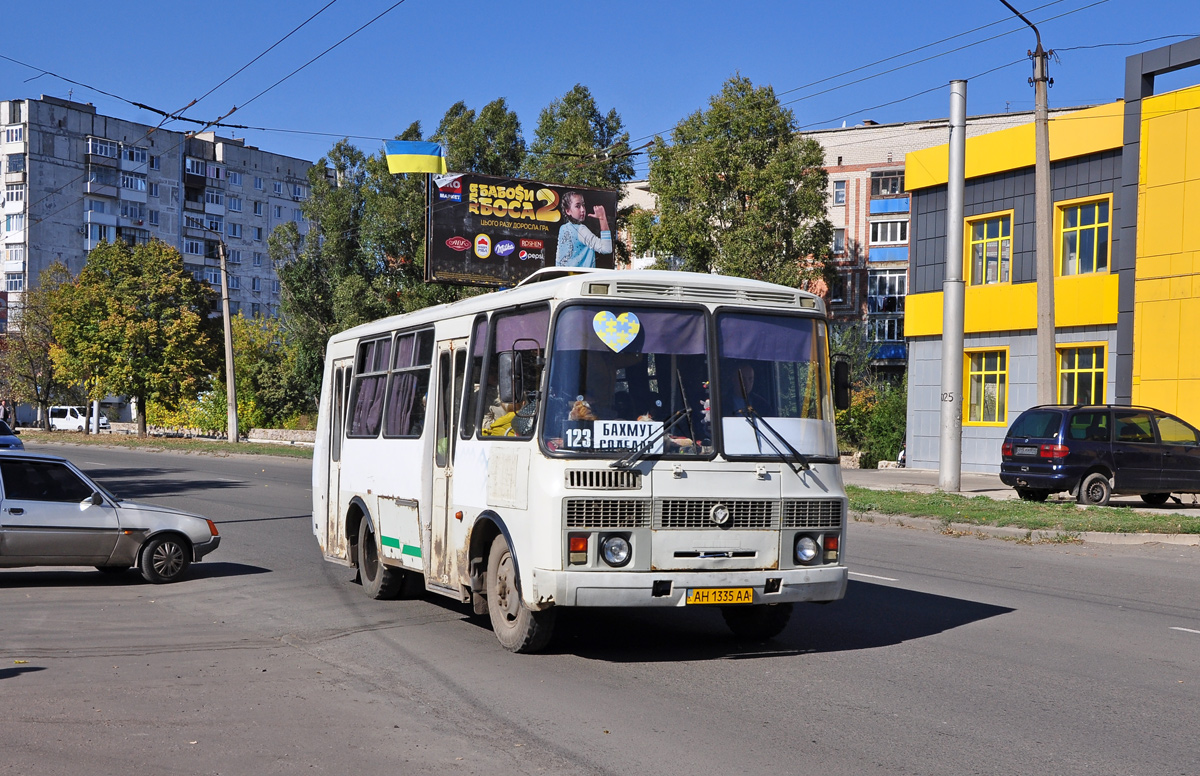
pixel 505 247
pixel 458 243
pixel 483 246
pixel 531 245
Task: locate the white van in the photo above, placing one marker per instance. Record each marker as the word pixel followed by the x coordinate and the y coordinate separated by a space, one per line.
pixel 64 418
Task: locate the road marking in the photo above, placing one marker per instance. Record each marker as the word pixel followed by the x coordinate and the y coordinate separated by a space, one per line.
pixel 226 479
pixel 95 463
pixel 872 576
pixel 1185 630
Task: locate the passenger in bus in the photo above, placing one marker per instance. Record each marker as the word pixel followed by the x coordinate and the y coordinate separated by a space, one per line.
pixel 738 388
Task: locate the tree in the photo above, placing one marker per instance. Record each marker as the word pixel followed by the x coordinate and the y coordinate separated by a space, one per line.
pixel 490 144
pixel 25 352
pixel 575 144
pixel 740 192
pixel 136 323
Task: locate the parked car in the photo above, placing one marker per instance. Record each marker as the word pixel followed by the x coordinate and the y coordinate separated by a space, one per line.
pixel 64 418
pixel 52 514
pixel 8 438
pixel 1095 451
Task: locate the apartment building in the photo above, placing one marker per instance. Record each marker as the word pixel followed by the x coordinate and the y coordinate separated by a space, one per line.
pixel 74 178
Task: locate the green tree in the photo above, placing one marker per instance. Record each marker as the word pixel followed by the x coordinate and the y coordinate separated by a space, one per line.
pixel 575 144
pixel 25 360
pixel 740 192
pixel 136 323
pixel 490 144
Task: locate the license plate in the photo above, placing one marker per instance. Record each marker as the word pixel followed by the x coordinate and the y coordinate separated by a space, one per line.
pixel 721 595
pixel 1027 451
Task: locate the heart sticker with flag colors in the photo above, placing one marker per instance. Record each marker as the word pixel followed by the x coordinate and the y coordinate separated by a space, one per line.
pixel 616 331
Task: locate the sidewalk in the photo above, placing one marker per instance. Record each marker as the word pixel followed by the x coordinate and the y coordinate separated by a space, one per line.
pixel 973 484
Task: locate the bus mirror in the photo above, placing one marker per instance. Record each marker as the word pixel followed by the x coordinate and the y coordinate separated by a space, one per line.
pixel 510 377
pixel 841 385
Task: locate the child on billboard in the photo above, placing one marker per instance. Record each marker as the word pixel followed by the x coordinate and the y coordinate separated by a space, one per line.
pixel 577 246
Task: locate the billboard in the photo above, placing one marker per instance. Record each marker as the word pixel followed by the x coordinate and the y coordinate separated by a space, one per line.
pixel 489 231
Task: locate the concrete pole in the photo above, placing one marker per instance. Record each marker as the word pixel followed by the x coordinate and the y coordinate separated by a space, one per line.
pixel 95 416
pixel 1047 379
pixel 230 386
pixel 950 443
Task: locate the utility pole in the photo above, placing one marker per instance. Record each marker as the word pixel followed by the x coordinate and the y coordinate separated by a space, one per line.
pixel 1044 207
pixel 230 386
pixel 953 299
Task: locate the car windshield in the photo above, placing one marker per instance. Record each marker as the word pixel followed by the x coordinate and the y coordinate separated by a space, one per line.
pixel 774 368
pixel 4 429
pixel 1037 424
pixel 624 377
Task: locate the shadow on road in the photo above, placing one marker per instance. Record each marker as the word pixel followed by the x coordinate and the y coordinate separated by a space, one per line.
pixel 870 616
pixel 81 577
pixel 139 483
pixel 9 673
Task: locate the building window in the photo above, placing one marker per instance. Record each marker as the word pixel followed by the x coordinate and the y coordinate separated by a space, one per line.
pixel 192 222
pixel 102 233
pixel 888 183
pixel 214 172
pixel 258 208
pixel 258 183
pixel 212 276
pixel 153 217
pixel 234 204
pixel 235 256
pixel 279 212
pixel 987 387
pixel 839 192
pixel 234 283
pixel 257 259
pixel 885 290
pixel 94 205
pixel 1081 375
pixel 134 211
pixel 100 147
pixel 194 166
pixel 255 310
pixel 215 223
pixel 154 189
pixel 14 134
pixel 155 162
pixel 14 222
pixel 235 178
pixel 839 241
pixel 278 187
pixel 1084 243
pixel 889 232
pixel 256 284
pixel 134 181
pixel 16 163
pixel 14 253
pixel 275 286
pixel 14 282
pixel 258 233
pixel 14 192
pixel 235 230
pixel 135 155
pixel 885 329
pixel 297 215
pixel 989 249
pixel 194 247
pixel 214 197
pixel 299 192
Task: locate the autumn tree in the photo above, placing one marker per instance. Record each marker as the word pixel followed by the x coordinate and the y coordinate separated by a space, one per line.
pixel 740 192
pixel 136 323
pixel 25 354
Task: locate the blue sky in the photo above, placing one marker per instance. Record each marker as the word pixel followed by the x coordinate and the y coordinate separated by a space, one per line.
pixel 655 62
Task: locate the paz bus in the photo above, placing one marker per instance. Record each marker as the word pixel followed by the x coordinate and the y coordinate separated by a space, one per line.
pixel 584 439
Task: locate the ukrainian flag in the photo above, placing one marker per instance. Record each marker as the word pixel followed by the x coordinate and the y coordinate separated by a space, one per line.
pixel 414 156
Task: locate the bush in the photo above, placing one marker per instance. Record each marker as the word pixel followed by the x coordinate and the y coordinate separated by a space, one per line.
pixel 875 422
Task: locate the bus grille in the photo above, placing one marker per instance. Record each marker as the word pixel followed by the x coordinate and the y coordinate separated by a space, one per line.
pixel 701 293
pixel 813 513
pixel 604 479
pixel 694 513
pixel 607 513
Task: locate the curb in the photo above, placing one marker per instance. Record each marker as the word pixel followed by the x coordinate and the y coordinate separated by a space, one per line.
pixel 1022 534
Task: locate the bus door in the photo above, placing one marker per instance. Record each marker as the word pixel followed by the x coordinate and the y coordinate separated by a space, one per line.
pixel 447 533
pixel 335 517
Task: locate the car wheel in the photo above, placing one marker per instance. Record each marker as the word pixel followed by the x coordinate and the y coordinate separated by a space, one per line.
pixel 112 570
pixel 1155 499
pixel 165 559
pixel 757 623
pixel 1095 490
pixel 378 581
pixel 79 427
pixel 518 628
pixel 1032 494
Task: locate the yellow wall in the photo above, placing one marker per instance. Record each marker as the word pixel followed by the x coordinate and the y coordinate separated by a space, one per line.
pixel 1074 134
pixel 1079 300
pixel 1166 320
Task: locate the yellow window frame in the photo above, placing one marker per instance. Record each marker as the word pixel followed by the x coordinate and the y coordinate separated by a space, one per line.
pixel 1096 373
pixel 1001 240
pixel 978 373
pixel 1062 231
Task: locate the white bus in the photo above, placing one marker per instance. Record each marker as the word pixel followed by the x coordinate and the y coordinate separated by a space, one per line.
pixel 589 438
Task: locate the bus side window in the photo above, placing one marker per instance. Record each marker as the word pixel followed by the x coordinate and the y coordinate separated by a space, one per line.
pixel 471 408
pixel 523 331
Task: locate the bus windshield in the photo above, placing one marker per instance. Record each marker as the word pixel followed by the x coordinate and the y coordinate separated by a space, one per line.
pixel 626 377
pixel 773 368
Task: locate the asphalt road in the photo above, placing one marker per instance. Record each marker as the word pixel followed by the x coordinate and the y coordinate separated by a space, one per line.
pixel 948 656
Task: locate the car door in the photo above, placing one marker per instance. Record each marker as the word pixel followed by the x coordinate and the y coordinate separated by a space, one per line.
pixel 1136 454
pixel 1180 455
pixel 47 517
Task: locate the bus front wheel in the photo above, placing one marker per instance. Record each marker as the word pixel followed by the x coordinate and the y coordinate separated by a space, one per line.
pixel 518 628
pixel 378 581
pixel 757 623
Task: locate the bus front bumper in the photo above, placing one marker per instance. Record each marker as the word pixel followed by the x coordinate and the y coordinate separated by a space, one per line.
pixel 671 588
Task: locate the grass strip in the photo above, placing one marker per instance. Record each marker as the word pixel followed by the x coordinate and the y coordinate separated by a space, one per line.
pixel 1065 517
pixel 174 444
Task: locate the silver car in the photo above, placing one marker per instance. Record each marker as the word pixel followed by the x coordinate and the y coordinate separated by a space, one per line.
pixel 52 514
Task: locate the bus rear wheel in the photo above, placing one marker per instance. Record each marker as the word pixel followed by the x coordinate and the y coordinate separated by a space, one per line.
pixel 378 581
pixel 518 628
pixel 757 623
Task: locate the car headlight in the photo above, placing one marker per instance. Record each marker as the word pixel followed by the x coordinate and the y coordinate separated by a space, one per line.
pixel 806 549
pixel 616 551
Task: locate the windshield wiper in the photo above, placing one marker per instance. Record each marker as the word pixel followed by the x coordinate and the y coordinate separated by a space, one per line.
pixel 753 418
pixel 635 454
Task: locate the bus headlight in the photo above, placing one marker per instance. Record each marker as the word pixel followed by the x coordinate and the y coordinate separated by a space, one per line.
pixel 806 549
pixel 615 550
